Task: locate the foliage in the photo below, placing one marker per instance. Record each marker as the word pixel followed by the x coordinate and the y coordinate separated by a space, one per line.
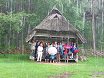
pixel 18 17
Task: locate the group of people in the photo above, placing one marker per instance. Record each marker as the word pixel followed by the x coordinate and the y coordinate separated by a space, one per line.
pixel 52 51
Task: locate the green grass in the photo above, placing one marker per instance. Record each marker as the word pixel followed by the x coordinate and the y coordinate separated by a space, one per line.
pixel 19 66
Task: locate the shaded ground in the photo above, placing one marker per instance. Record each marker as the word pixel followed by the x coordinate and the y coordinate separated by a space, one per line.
pixel 57 64
pixel 63 75
pixel 98 75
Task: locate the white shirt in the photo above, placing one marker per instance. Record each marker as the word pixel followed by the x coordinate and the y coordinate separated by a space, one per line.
pixel 40 49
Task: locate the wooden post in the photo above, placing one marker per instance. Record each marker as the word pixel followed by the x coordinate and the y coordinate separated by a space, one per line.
pixel 68 32
pixel 76 59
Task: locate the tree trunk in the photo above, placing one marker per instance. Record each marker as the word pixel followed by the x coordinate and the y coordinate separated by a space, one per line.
pixel 77 5
pixel 93 27
pixel 83 32
pixel 102 30
pixel 22 45
pixel 93 32
pixel 29 6
pixel 99 4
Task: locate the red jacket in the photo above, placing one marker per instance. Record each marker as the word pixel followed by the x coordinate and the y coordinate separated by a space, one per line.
pixel 65 49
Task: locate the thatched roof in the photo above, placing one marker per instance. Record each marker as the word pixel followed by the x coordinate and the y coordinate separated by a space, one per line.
pixel 55 21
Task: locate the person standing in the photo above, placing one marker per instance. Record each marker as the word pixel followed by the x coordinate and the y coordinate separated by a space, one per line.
pixel 61 50
pixel 66 52
pixel 40 52
pixel 58 52
pixel 36 47
pixel 47 54
pixel 32 49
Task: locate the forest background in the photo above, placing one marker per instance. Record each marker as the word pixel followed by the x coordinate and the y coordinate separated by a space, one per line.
pixel 18 17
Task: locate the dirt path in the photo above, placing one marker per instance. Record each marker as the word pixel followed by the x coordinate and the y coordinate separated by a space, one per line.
pixel 64 75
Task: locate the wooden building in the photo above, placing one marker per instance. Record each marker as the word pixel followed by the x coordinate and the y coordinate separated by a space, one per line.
pixel 55 27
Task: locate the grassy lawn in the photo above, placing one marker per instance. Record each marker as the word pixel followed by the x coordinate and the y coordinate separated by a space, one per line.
pixel 18 66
